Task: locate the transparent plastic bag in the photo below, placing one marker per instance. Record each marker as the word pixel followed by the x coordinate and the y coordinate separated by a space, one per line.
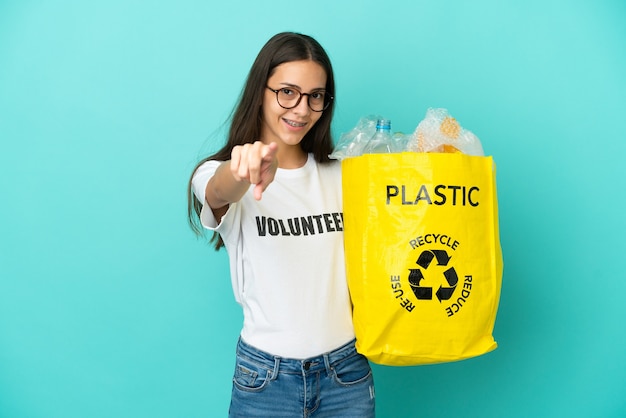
pixel 440 132
pixel 353 143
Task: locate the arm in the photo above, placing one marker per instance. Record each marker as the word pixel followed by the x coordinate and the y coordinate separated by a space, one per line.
pixel 249 164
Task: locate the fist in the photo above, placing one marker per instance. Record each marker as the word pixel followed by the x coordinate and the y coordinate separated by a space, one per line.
pixel 255 163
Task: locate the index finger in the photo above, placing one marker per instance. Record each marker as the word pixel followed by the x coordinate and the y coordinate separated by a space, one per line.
pixel 269 151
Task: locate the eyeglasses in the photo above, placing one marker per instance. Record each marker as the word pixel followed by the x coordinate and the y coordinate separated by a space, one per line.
pixel 288 98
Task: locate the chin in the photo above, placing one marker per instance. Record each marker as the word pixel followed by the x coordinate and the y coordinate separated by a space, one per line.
pixel 292 140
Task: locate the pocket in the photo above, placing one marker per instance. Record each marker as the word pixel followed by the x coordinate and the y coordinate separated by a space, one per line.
pixel 352 370
pixel 250 376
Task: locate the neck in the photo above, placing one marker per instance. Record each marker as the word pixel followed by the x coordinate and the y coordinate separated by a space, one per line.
pixel 291 157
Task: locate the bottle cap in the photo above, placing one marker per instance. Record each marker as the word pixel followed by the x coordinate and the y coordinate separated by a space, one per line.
pixel 383 124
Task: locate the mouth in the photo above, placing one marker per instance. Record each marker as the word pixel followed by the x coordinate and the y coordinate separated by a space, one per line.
pixel 294 124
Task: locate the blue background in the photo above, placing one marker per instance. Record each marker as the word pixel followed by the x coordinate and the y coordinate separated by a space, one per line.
pixel 110 307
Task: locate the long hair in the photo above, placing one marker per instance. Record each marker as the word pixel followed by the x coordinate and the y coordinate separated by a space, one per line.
pixel 246 119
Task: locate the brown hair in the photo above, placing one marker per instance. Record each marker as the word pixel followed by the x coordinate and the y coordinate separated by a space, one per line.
pixel 246 119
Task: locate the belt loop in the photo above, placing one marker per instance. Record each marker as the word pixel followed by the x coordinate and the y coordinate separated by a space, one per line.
pixel 276 367
pixel 327 363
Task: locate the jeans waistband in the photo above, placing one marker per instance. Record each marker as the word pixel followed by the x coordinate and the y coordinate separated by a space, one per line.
pixel 288 365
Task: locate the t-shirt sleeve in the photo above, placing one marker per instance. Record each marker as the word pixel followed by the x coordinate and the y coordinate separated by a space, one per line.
pixel 198 183
pixel 228 227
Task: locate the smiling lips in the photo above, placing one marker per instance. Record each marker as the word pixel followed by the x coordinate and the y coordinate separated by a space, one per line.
pixel 294 124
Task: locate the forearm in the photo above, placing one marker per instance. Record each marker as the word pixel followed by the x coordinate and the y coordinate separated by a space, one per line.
pixel 223 188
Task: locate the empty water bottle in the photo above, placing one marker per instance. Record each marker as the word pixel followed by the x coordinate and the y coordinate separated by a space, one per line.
pixel 382 141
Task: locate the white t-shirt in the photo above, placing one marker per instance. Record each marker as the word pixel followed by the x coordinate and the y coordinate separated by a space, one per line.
pixel 287 259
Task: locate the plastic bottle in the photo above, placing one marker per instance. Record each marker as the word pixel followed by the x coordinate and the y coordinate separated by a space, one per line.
pixel 382 141
pixel 400 142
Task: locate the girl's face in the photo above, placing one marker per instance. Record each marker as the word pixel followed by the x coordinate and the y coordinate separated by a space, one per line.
pixel 287 127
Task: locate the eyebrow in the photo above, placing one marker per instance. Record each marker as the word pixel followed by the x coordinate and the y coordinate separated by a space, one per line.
pixel 295 86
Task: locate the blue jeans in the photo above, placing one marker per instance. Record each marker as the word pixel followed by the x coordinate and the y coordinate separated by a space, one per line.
pixel 335 384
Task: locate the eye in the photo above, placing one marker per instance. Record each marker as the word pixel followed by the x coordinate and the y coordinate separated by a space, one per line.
pixel 318 95
pixel 287 92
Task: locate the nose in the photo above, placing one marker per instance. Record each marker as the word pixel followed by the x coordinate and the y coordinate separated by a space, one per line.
pixel 303 107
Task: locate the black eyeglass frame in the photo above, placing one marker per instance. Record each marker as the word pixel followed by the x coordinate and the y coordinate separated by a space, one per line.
pixel 326 102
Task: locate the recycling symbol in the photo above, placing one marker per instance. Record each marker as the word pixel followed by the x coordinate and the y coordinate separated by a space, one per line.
pixel 416 276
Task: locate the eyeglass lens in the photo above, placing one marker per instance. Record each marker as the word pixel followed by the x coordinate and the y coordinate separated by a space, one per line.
pixel 290 98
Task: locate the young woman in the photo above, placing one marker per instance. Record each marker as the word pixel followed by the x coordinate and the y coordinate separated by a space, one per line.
pixel 273 198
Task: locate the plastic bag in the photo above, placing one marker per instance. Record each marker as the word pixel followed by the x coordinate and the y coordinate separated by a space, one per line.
pixel 353 143
pixel 440 132
pixel 423 256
